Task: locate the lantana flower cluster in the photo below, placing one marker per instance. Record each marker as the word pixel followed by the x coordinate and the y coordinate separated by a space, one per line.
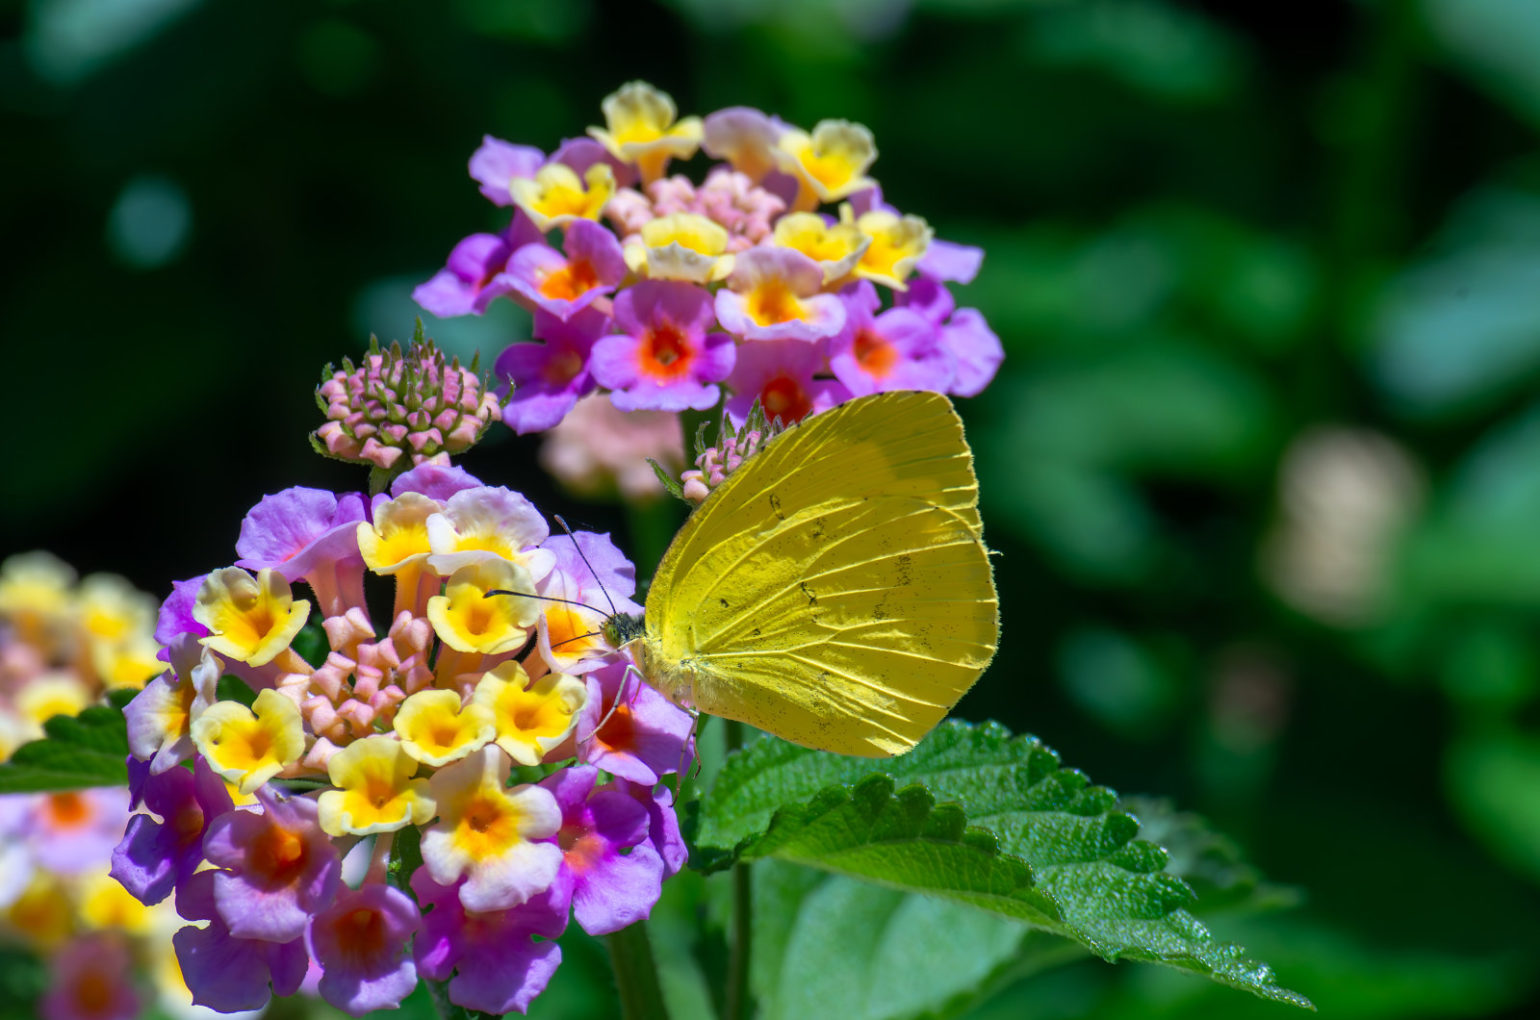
pixel 63 645
pixel 433 793
pixel 782 277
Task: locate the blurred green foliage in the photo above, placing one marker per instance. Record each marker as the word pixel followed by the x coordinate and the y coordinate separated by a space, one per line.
pixel 1213 229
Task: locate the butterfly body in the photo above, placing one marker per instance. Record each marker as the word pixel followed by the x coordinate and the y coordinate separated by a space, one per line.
pixel 835 589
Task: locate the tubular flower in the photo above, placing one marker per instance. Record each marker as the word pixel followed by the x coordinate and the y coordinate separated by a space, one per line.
pixel 375 791
pixel 682 246
pixel 897 244
pixel 641 128
pixel 250 619
pixel 530 719
pixel 436 729
pixel 249 746
pixel 666 360
pixel 830 163
pixel 467 620
pixel 776 294
pixel 556 196
pixel 490 835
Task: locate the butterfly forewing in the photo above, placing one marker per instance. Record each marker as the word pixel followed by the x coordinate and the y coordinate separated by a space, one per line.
pixel 835 591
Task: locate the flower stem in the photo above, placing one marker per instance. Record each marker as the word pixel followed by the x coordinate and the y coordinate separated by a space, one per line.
pixel 743 917
pixel 636 974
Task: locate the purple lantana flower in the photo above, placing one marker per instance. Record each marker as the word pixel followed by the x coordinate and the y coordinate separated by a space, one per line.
pixel 646 736
pixel 497 162
pixel 473 263
pixel 548 378
pixel 176 615
pixel 665 360
pixel 156 856
pixel 310 535
pixel 777 294
pixel 281 868
pixel 610 874
pixel 226 973
pixel 497 965
pixel 975 350
pixel 436 481
pixel 361 944
pixel 663 823
pixel 563 284
pixel 780 375
pixel 897 350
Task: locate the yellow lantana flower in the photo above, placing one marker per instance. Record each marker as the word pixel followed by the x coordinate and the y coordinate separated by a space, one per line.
pixel 530 718
pixel 641 128
pixel 250 619
pixel 681 246
pixel 556 196
pixel 831 163
pixel 435 729
pixel 897 244
pixel 375 789
pixel 467 621
pixel 249 746
pixel 836 248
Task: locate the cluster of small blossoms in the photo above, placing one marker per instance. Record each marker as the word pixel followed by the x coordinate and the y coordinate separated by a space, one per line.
pixel 782 277
pixel 495 738
pixel 396 404
pixel 735 444
pixel 62 645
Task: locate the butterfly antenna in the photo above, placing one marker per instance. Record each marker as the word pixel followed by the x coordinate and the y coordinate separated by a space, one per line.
pixel 578 637
pixel 543 598
pixel 592 572
pixel 614 704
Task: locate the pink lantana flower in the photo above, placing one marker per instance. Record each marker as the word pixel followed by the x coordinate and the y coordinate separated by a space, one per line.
pixel 776 294
pixel 361 944
pixel 665 360
pixel 644 737
pixel 473 264
pixel 498 162
pixel 897 350
pixel 781 376
pixel 563 284
pixel 549 378
pixel 610 873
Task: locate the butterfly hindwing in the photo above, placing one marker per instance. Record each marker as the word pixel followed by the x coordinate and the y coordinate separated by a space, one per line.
pixel 835 590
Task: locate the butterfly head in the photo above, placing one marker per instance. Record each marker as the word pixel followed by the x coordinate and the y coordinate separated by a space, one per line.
pixel 623 628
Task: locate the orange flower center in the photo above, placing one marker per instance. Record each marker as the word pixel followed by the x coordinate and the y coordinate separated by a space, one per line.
pixel 875 355
pixel 664 356
pixel 278 855
pixel 67 810
pixel 571 281
pixel 619 733
pixel 772 302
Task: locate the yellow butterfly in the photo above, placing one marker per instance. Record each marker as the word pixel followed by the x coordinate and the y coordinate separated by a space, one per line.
pixel 835 590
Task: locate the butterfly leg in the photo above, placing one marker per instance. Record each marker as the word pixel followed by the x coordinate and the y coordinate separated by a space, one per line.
pixel 620 695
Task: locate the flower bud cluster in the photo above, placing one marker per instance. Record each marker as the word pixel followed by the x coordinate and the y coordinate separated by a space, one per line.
pixel 396 408
pixel 428 795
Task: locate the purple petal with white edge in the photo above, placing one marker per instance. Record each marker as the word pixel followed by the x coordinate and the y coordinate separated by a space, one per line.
pixel 360 941
pixel 976 351
pixel 824 317
pixel 176 614
pixel 945 260
pixel 436 481
pixel 497 162
pixel 752 267
pixel 928 296
pixel 582 153
pixel 656 739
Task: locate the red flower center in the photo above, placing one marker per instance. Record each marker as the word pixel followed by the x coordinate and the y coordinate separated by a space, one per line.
pixel 785 400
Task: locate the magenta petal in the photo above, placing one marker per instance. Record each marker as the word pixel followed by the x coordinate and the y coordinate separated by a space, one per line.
pixel 230 974
pixel 283 530
pixel 928 296
pixel 614 361
pixel 975 349
pixel 952 262
pixel 497 162
pixel 621 893
pixel 361 944
pixel 456 288
pixel 436 481
pixel 176 616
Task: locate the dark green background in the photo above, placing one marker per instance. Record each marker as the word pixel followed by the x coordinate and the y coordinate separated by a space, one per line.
pixel 1210 228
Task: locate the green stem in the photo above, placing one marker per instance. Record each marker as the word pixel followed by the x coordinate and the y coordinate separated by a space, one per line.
pixel 636 974
pixel 740 950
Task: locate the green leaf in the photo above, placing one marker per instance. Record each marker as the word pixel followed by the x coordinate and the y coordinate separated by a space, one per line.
pixel 90 749
pixel 827 945
pixel 1208 861
pixel 983 818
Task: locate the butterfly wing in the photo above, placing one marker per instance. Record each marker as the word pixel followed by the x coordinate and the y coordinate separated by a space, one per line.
pixel 835 590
